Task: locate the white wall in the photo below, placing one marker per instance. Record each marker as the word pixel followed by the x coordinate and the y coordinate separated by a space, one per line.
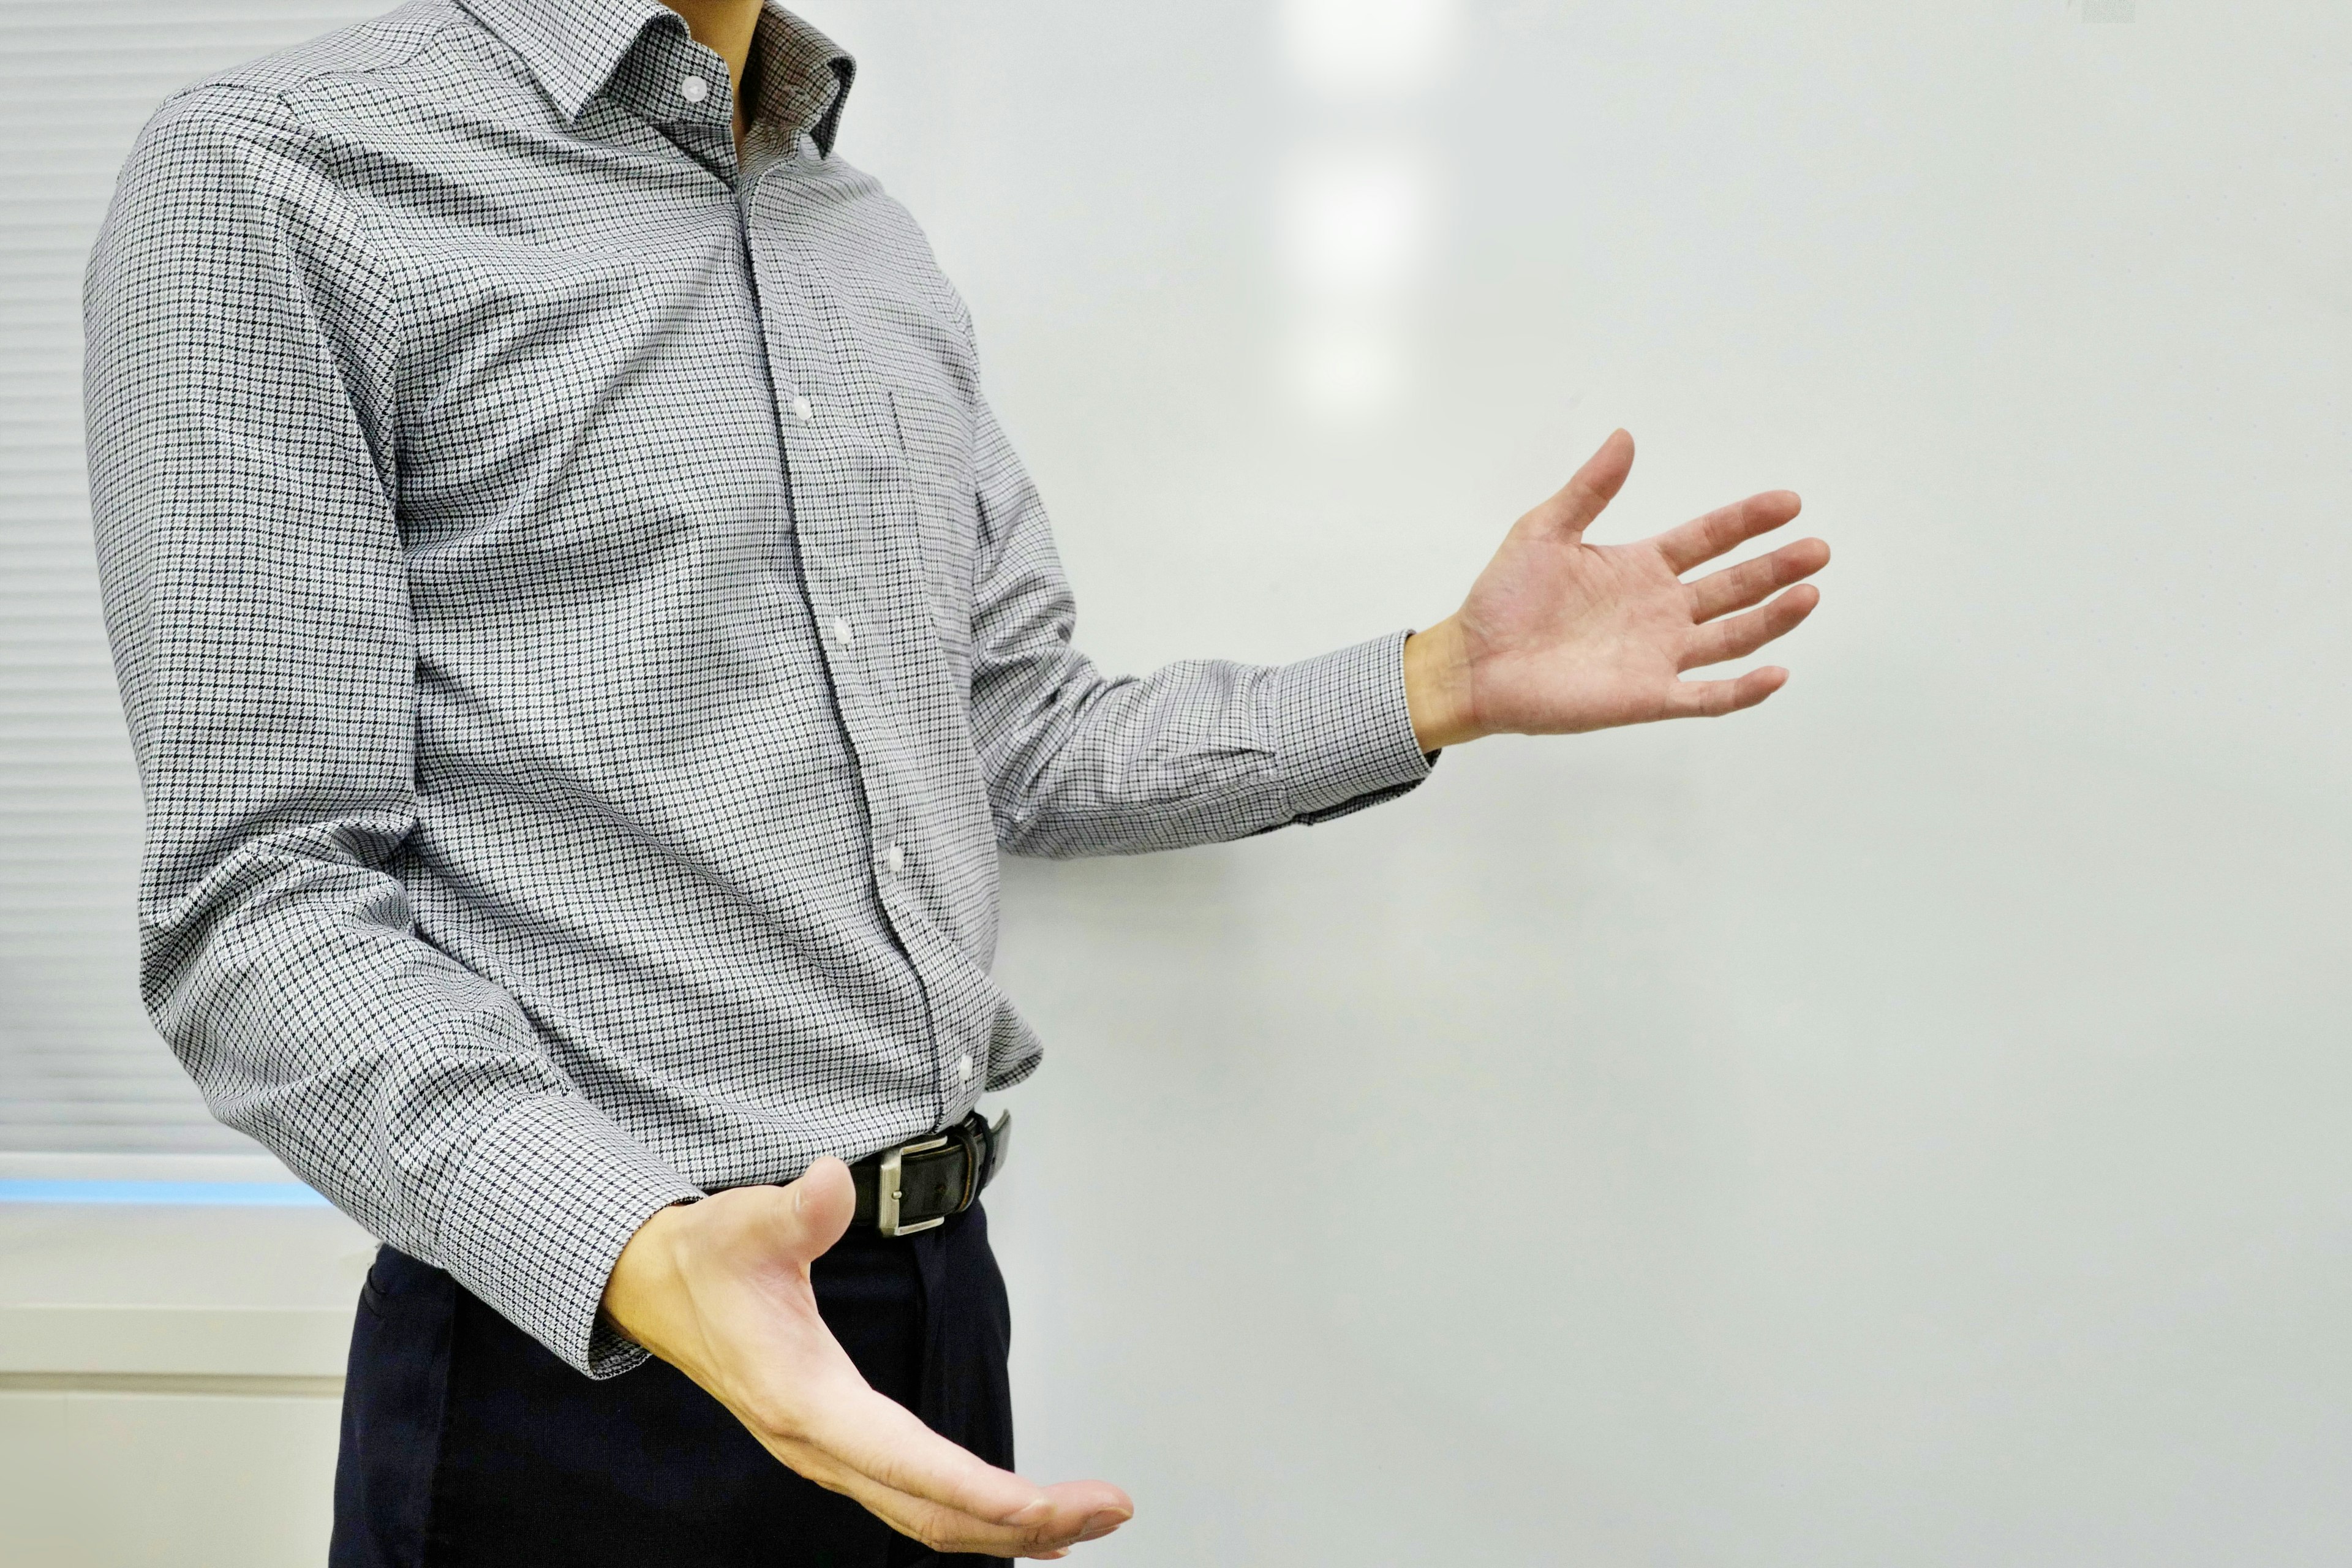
pixel 170 1374
pixel 1903 1125
pixel 1899 1126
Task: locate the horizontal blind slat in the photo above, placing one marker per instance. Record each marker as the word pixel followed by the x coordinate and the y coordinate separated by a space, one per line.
pixel 80 1068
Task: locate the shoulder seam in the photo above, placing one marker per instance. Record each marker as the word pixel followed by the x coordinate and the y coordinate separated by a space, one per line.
pixel 367 242
pixel 237 79
pixel 224 87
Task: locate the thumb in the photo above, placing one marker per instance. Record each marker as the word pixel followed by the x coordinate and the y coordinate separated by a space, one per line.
pixel 1568 513
pixel 820 1204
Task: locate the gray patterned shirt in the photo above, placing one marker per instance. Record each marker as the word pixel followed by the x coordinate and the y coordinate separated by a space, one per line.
pixel 586 640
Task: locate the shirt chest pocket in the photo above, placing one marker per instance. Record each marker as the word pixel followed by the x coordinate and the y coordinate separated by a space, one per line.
pixel 935 434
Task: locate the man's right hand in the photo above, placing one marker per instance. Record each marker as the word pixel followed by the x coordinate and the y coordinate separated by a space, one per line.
pixel 719 1290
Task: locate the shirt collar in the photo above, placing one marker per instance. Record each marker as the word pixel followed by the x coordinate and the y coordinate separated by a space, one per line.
pixel 803 77
pixel 575 47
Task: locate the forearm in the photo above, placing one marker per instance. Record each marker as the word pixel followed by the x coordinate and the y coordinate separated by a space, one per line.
pixel 411 1092
pixel 1196 753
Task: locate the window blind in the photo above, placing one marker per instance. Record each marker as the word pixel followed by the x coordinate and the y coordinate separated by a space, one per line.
pixel 80 1067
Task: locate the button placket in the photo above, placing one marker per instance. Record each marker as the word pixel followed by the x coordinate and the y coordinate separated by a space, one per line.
pixel 852 616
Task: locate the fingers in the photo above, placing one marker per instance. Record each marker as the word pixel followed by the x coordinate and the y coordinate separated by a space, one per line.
pixel 1064 1522
pixel 1702 539
pixel 858 1442
pixel 881 1446
pixel 881 1440
pixel 1751 582
pixel 1743 634
pixel 1594 486
pixel 1713 698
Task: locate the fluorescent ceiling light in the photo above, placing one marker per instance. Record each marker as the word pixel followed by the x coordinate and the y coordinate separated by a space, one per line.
pixel 1368 48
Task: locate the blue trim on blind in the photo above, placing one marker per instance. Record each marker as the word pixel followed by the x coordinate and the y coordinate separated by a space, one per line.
pixel 231 1195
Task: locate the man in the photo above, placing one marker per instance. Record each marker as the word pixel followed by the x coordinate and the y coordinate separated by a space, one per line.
pixel 586 641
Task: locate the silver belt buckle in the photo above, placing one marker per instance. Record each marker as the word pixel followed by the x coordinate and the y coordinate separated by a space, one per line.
pixel 887 1192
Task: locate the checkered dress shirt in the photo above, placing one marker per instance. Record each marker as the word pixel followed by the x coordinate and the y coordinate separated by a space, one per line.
pixel 586 640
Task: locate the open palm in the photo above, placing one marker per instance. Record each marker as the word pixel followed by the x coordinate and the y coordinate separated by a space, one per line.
pixel 720 1289
pixel 1558 634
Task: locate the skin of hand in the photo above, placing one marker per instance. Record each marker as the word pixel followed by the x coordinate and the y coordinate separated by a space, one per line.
pixel 719 1290
pixel 1559 636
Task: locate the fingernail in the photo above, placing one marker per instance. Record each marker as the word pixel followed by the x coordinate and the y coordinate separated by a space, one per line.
pixel 1101 1524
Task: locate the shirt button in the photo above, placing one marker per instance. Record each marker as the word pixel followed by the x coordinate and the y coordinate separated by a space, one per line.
pixel 963 1067
pixel 841 632
pixel 895 858
pixel 801 411
pixel 694 90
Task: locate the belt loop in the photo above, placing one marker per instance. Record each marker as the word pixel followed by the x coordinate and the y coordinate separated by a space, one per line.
pixel 975 1157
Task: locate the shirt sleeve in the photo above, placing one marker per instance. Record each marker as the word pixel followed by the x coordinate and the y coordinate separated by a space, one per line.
pixel 240 389
pixel 1199 751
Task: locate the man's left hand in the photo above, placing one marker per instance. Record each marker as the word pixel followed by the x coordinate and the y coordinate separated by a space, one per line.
pixel 1559 636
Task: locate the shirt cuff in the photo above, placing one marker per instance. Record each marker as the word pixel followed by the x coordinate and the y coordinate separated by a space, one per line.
pixel 548 1195
pixel 1343 735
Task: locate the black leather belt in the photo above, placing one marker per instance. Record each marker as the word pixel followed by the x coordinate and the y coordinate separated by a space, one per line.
pixel 914 1187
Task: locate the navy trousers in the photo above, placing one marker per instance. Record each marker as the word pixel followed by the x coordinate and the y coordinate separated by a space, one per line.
pixel 465 1442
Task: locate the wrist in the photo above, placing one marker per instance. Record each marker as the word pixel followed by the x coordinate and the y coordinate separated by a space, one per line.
pixel 646 1277
pixel 1437 687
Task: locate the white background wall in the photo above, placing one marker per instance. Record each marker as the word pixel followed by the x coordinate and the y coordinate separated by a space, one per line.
pixel 1903 1125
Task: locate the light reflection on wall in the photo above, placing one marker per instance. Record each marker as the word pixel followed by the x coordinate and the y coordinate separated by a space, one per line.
pixel 1357 198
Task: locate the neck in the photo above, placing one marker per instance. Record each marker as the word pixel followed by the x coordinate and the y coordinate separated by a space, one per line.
pixel 725 27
